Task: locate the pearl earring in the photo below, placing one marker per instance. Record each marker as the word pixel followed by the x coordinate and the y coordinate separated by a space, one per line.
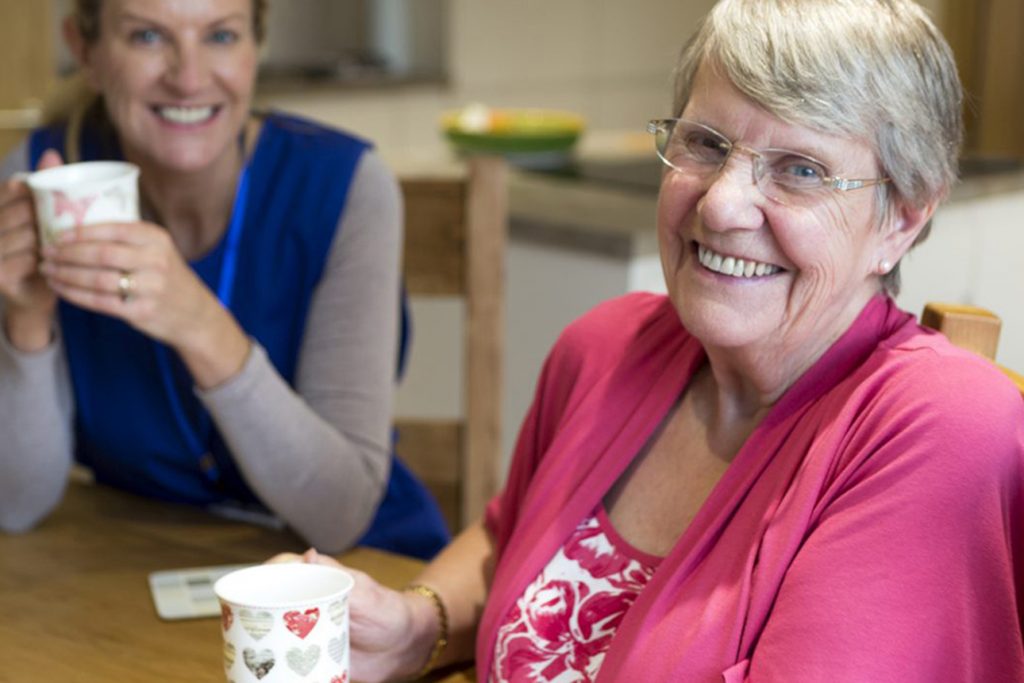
pixel 884 267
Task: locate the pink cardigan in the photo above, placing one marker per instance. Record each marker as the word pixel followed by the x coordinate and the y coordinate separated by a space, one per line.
pixel 870 529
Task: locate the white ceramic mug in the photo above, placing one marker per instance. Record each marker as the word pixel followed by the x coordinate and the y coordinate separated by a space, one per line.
pixel 285 622
pixel 84 193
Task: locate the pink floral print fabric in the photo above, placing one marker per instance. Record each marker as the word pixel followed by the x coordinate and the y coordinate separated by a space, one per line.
pixel 561 627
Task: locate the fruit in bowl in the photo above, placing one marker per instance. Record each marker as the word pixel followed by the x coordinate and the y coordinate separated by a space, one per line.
pixel 527 137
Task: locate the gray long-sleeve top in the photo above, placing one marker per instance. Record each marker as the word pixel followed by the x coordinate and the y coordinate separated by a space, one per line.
pixel 319 455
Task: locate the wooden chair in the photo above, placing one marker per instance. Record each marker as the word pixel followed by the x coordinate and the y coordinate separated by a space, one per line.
pixel 969 327
pixel 455 235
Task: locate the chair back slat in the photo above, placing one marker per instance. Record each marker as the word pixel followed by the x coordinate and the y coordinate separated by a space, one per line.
pixel 970 327
pixel 455 241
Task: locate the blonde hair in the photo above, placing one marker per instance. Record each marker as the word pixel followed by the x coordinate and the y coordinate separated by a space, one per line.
pixel 875 70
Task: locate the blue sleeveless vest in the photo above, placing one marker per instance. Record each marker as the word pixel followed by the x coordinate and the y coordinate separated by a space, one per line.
pixel 138 423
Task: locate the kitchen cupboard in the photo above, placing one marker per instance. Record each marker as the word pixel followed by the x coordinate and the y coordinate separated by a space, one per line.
pixel 26 51
pixel 985 36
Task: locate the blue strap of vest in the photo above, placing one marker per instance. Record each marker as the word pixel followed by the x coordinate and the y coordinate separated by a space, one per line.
pixel 225 289
pixel 226 285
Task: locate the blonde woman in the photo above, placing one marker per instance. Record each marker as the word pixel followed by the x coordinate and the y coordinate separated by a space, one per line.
pixel 234 349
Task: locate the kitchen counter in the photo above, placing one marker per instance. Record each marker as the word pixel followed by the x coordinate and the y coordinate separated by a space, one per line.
pixel 595 216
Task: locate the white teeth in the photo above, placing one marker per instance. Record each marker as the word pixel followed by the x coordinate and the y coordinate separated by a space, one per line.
pixel 185 114
pixel 729 265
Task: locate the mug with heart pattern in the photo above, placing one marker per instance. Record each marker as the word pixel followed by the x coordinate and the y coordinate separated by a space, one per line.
pixel 285 622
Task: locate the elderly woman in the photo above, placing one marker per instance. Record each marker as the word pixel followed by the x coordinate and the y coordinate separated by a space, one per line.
pixel 772 474
pixel 234 349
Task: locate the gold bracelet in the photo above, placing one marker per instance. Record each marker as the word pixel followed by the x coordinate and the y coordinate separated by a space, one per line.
pixel 442 621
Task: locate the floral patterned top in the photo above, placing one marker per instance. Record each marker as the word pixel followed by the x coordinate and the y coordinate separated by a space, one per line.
pixel 561 627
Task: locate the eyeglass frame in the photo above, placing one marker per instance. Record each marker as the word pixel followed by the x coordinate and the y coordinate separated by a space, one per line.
pixel 654 126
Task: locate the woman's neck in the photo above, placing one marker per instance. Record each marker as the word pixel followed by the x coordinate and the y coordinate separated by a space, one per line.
pixel 193 207
pixel 747 381
pixel 737 388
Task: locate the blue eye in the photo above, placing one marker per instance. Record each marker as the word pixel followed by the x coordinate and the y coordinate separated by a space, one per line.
pixel 802 171
pixel 224 37
pixel 145 36
pixel 795 170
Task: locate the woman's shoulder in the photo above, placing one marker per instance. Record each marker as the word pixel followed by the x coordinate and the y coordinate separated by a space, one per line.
pixel 947 399
pixel 315 136
pixel 606 331
pixel 919 417
pixel 330 172
pixel 933 370
pixel 620 318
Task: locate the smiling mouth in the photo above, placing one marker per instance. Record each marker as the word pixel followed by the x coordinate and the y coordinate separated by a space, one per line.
pixel 734 267
pixel 188 116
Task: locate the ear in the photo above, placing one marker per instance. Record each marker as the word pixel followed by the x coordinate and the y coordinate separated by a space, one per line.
pixel 78 47
pixel 905 223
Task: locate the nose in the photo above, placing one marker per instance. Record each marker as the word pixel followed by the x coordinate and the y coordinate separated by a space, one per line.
pixel 733 199
pixel 187 71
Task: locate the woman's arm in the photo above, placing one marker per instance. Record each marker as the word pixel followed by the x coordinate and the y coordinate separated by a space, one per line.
pixel 35 417
pixel 319 456
pixel 35 433
pixel 461 575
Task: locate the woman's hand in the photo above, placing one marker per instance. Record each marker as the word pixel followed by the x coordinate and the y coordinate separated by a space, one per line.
pixel 28 301
pixel 134 271
pixel 164 298
pixel 390 632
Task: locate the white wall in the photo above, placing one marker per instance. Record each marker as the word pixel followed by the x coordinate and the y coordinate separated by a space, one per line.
pixel 975 255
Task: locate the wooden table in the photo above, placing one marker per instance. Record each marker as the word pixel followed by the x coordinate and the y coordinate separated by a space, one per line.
pixel 75 603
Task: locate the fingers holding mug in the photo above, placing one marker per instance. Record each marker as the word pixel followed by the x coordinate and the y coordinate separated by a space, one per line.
pixel 104 290
pixel 17 223
pixel 21 287
pixel 17 242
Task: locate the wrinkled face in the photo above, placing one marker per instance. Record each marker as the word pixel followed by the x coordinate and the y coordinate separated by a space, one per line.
pixel 177 77
pixel 808 268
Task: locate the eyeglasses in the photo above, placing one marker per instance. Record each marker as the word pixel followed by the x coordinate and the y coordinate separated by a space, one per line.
pixel 783 176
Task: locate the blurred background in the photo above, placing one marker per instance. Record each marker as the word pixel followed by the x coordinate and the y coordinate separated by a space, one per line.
pixel 387 69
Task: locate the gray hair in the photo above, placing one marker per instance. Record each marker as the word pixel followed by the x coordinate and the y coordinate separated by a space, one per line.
pixel 875 70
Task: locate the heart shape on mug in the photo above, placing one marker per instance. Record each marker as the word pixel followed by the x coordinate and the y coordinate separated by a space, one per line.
pixel 256 624
pixel 336 610
pixel 301 623
pixel 259 663
pixel 303 662
pixel 226 617
pixel 336 649
pixel 343 678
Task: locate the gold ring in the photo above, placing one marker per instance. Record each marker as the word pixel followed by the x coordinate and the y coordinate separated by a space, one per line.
pixel 126 286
